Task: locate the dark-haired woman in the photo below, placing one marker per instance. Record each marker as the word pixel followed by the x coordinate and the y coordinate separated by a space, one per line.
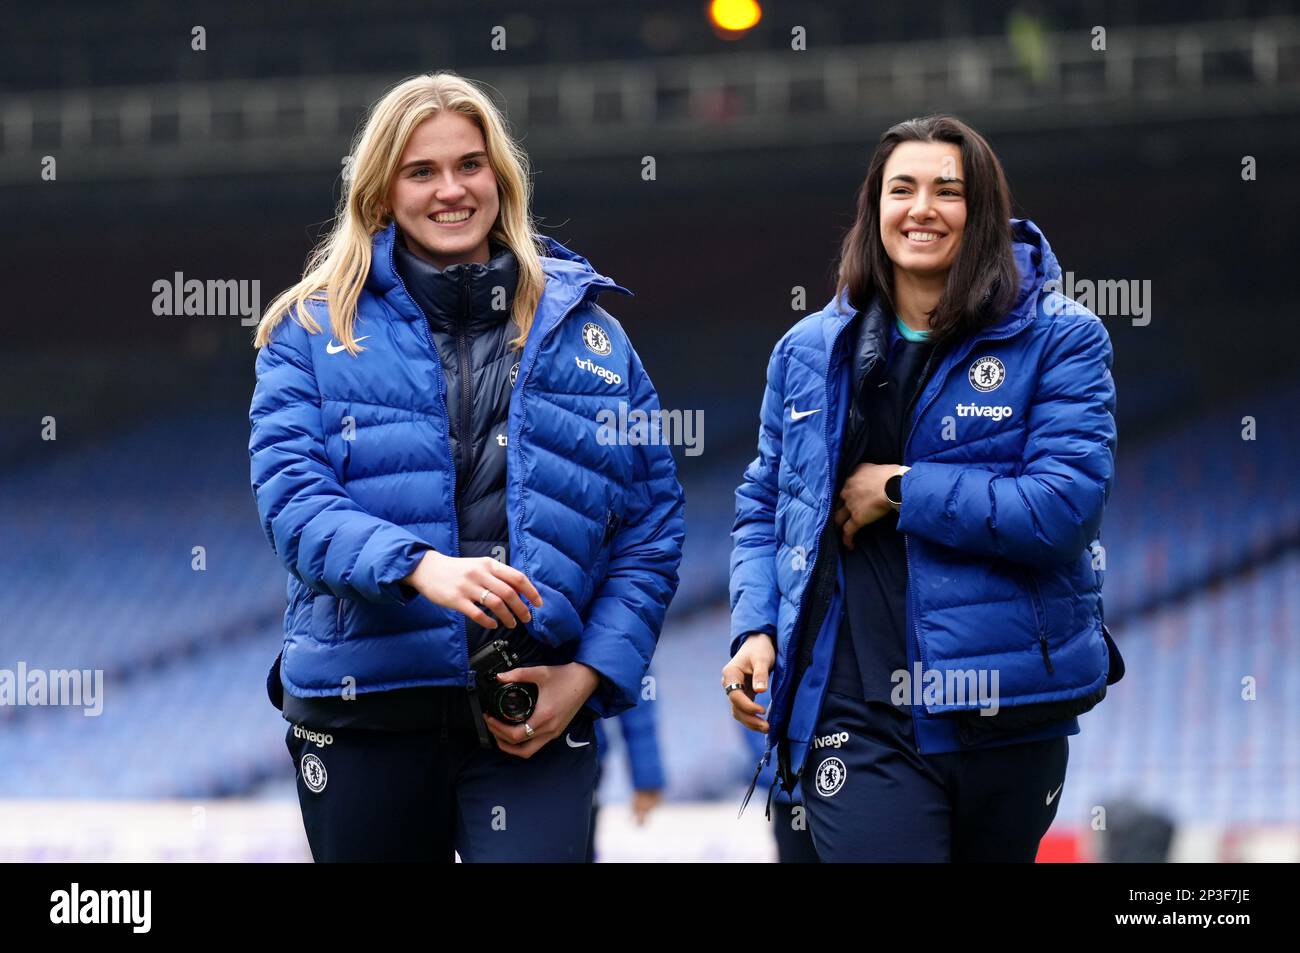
pixel 913 558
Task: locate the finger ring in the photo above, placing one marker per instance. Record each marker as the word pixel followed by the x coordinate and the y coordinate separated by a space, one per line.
pixel 482 600
pixel 529 731
pixel 732 687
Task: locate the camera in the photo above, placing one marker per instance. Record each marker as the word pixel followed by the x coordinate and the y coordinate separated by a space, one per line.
pixel 511 702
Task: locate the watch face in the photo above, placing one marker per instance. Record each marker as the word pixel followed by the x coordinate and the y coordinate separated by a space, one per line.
pixel 894 489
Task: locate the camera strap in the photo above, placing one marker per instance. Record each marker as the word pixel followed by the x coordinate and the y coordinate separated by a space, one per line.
pixel 484 736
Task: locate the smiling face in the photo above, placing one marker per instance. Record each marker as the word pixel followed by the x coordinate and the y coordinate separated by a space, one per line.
pixel 923 207
pixel 444 193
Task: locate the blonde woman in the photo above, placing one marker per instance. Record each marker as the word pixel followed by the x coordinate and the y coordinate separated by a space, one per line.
pixel 476 571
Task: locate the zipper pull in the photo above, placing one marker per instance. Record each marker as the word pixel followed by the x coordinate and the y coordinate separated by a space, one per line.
pixel 770 791
pixel 1042 644
pixel 762 762
pixel 611 527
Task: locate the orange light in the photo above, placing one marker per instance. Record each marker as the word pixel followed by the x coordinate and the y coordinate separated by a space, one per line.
pixel 735 16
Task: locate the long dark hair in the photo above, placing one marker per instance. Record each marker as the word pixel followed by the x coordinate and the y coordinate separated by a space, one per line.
pixel 982 283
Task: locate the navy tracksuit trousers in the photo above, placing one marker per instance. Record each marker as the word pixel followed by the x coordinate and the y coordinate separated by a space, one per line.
pixel 870 796
pixel 371 795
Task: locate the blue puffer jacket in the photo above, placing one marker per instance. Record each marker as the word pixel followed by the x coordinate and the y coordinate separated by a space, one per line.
pixel 1011 446
pixel 596 525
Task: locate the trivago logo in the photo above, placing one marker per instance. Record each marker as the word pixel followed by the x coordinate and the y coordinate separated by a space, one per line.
pixel 319 738
pixel 832 740
pixel 980 410
pixel 604 373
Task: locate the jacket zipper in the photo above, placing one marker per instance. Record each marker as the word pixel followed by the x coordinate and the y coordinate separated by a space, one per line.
pixel 455 517
pixel 466 378
pixel 832 472
pixel 466 459
pixel 1041 613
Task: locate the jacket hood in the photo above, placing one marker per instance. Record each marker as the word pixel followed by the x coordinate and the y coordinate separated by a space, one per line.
pixel 1035 263
pixel 573 271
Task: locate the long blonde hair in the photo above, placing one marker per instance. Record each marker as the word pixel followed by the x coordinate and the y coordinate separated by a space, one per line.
pixel 336 269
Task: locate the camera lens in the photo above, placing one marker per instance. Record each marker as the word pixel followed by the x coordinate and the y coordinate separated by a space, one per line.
pixel 514 703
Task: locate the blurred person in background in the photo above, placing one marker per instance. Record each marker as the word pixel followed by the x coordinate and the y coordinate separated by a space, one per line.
pixel 641 744
pixel 440 495
pixel 928 611
pixel 1026 36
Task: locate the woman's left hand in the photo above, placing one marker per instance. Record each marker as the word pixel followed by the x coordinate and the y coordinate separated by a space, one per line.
pixel 864 498
pixel 561 691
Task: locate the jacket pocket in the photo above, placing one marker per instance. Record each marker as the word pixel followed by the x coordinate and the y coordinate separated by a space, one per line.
pixel 597 575
pixel 347 434
pixel 339 426
pixel 612 521
pixel 297 621
pixel 1040 616
pixel 326 617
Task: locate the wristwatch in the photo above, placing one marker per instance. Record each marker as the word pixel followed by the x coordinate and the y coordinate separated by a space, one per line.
pixel 894 489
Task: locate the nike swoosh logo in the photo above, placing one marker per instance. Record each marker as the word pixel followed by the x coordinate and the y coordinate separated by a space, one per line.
pixel 1051 797
pixel 332 348
pixel 568 739
pixel 801 414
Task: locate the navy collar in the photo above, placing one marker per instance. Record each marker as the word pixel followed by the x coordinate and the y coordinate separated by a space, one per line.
pixel 460 298
pixel 870 342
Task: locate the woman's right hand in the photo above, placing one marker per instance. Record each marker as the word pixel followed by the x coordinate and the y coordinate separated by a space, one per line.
pixel 456 583
pixel 750 669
